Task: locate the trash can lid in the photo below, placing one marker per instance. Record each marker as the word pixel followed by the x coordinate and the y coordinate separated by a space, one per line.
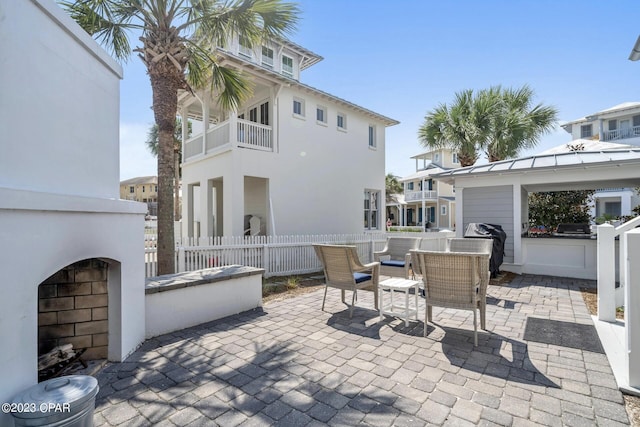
pixel 72 390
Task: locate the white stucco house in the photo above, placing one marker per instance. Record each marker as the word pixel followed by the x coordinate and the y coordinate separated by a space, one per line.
pixel 426 200
pixel 615 127
pixel 72 270
pixel 292 160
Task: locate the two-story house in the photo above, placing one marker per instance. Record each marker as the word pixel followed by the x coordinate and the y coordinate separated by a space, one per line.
pixel 141 189
pixel 615 127
pixel 427 202
pixel 291 160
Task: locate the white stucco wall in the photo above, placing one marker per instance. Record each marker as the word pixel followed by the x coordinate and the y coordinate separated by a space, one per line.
pixel 56 81
pixel 317 174
pixel 59 180
pixel 194 305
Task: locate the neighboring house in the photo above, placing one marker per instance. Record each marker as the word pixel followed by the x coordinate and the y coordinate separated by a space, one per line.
pixel 427 199
pixel 616 127
pixel 141 189
pixel 291 160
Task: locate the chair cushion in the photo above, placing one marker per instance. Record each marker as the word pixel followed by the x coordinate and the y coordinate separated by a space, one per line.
pixel 361 277
pixel 393 263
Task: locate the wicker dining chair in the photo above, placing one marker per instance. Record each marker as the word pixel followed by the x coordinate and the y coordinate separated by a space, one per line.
pixel 479 246
pixel 343 270
pixel 397 250
pixel 451 280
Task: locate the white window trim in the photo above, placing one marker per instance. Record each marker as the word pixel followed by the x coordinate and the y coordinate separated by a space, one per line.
pixel 285 72
pixel 244 50
pixel 454 158
pixel 325 111
pixel 443 210
pixel 302 108
pixel 373 146
pixel 262 57
pixel 342 128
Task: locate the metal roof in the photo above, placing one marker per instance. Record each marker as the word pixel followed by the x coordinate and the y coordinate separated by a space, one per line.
pixel 546 161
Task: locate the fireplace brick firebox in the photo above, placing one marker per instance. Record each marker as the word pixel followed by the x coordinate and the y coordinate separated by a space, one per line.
pixel 73 309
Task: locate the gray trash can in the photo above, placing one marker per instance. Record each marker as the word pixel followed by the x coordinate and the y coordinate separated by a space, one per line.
pixel 59 402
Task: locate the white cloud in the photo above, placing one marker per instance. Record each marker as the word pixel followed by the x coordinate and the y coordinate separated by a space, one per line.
pixel 135 158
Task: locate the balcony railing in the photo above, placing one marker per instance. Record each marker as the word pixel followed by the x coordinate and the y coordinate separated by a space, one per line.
pixel 613 135
pixel 412 196
pixel 247 135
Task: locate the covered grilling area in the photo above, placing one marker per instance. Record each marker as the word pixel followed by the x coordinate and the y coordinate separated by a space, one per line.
pixel 497 193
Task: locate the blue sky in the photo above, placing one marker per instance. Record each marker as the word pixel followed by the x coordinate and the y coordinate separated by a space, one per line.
pixel 401 59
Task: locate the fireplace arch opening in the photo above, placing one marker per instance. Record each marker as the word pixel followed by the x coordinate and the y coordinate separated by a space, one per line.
pixel 74 314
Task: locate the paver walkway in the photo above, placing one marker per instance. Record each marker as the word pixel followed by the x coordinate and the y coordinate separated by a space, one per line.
pixel 291 364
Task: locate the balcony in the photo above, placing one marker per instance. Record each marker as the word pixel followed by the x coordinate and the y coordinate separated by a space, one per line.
pixel 618 134
pixel 233 133
pixel 416 196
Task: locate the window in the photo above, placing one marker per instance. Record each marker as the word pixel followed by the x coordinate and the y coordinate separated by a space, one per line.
pixel 613 124
pixel 636 122
pixel 143 188
pixel 287 66
pixel 409 186
pixel 436 158
pixel 244 46
pixel 321 114
pixel 132 189
pixel 156 189
pixel 267 57
pixel 298 107
pixel 341 121
pixel 371 207
pixel 613 208
pixel 443 210
pixel 372 136
pixel 454 158
pixel 586 131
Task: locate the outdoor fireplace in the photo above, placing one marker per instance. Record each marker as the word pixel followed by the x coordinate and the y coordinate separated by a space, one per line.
pixel 70 247
pixel 73 309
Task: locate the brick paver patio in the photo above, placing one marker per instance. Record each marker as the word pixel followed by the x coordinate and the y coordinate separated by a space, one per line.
pixel 291 364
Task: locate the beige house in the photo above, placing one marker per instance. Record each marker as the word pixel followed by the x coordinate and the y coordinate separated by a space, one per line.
pixel 141 189
pixel 427 202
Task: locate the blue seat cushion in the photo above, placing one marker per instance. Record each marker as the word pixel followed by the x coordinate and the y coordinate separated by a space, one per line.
pixel 393 263
pixel 361 277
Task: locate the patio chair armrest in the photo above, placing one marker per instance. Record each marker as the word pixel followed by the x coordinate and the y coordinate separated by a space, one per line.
pixel 378 254
pixel 370 266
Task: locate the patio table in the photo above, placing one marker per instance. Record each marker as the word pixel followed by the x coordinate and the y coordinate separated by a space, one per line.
pixel 399 308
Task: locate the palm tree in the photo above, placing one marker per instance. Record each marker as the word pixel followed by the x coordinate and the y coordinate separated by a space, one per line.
pixel 461 127
pixel 392 184
pixel 152 145
pixel 516 124
pixel 177 40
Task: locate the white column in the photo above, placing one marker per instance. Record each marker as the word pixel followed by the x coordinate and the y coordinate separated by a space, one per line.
pixel 459 217
pixel 185 127
pixel 424 213
pixel 233 128
pixel 601 130
pixel 517 224
pixel 631 253
pixel 606 273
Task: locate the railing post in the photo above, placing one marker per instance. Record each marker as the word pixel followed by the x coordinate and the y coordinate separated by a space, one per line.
pixel 181 260
pixel 606 273
pixel 631 252
pixel 265 259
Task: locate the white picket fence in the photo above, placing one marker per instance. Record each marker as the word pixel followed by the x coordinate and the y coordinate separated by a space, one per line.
pixel 277 255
